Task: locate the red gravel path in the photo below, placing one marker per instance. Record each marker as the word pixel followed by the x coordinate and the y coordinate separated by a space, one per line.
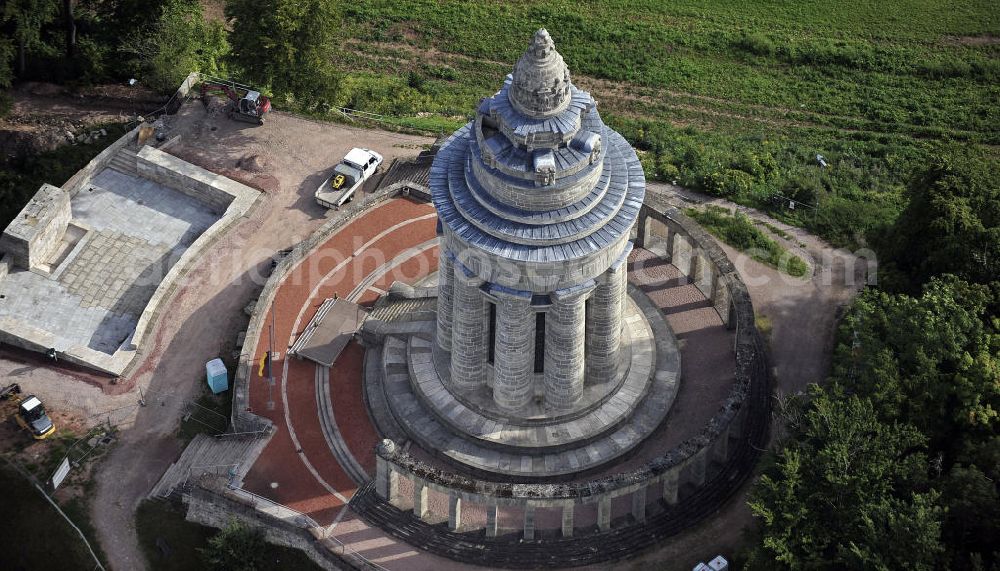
pixel 282 462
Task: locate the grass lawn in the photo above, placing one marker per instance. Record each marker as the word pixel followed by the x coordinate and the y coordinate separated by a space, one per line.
pixel 34 535
pixel 163 523
pixel 740 232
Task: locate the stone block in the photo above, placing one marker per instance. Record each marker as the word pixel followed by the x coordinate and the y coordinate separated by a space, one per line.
pixel 36 232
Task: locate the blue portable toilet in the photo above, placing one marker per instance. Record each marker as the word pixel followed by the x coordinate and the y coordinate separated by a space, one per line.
pixel 218 377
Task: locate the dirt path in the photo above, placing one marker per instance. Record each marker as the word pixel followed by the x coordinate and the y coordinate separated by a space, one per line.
pixel 803 312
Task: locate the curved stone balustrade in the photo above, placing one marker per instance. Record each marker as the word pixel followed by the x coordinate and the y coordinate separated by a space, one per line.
pixel 704 470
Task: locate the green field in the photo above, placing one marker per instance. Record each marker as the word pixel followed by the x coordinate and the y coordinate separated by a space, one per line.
pixel 732 98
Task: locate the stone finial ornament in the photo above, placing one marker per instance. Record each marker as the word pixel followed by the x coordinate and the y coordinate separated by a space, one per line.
pixel 541 84
pixel 387 446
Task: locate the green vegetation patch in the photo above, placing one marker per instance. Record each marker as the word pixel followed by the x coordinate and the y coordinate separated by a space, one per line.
pixel 740 232
pixel 30 527
pixel 208 415
pixel 171 543
pixel 19 182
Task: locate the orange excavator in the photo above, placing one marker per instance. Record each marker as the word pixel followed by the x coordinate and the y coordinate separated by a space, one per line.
pixel 250 107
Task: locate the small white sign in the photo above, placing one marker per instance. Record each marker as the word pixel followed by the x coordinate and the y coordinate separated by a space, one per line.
pixel 61 472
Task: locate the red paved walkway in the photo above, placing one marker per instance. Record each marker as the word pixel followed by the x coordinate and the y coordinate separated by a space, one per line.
pixel 297 467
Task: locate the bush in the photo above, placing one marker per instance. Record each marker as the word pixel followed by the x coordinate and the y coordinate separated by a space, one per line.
pixel 740 232
pixel 237 546
pixel 729 183
pixel 755 44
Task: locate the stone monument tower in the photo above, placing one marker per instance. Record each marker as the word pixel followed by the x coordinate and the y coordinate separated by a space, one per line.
pixel 536 199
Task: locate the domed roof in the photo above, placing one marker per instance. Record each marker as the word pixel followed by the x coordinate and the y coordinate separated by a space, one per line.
pixel 541 85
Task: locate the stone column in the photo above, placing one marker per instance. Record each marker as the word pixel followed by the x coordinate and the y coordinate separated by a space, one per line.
pixel 720 450
pixel 639 504
pixel 698 464
pixel 454 512
pixel 567 520
pixel 704 275
pixel 492 513
pixel 564 348
pixel 514 350
pixel 671 481
pixel 604 323
pixel 470 328
pixel 386 480
pixel 529 521
pixel 640 233
pixel 694 267
pixel 446 299
pixel 720 299
pixel 677 252
pixel 419 498
pixel 669 247
pixel 604 512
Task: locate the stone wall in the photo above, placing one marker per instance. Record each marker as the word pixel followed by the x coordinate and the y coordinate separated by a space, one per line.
pixel 34 235
pixel 81 177
pixel 215 191
pixel 219 509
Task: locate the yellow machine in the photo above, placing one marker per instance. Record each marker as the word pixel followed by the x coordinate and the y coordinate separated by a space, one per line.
pixel 338 181
pixel 32 417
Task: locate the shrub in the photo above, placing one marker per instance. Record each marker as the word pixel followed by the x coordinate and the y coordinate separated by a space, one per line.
pixel 755 44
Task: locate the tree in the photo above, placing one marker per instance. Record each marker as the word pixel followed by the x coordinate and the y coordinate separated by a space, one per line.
pixel 287 45
pixel 178 42
pixel 933 361
pixel 70 23
pixel 841 494
pixel 6 57
pixel 950 225
pixel 237 546
pixel 27 18
pixel 972 521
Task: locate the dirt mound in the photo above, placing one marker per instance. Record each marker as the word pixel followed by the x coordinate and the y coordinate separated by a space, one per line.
pixel 216 106
pixel 252 163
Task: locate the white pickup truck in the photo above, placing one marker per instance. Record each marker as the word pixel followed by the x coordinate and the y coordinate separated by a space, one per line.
pixel 348 176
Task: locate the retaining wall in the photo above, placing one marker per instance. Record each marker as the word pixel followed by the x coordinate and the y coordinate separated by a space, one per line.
pixel 213 190
pixel 219 509
pixel 81 177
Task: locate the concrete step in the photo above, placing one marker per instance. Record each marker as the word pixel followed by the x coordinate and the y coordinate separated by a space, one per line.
pixel 124 161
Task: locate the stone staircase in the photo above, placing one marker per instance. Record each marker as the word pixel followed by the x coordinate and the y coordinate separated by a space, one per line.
pixel 124 161
pixel 418 309
pixel 229 456
pixel 589 546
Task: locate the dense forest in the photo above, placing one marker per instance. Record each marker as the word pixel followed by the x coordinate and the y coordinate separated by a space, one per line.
pixel 894 462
